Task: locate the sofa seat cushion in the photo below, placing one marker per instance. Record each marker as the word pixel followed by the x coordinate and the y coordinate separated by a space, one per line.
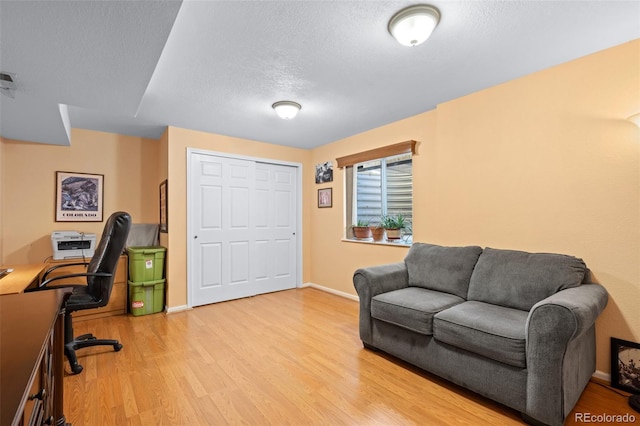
pixel 519 280
pixel 492 331
pixel 441 268
pixel 412 308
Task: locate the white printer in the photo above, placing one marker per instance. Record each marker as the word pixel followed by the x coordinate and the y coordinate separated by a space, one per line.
pixel 72 245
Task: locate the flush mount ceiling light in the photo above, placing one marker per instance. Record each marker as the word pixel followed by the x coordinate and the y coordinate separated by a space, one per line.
pixel 413 25
pixel 286 109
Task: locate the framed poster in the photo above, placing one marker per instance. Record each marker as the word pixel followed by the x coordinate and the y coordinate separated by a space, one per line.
pixel 79 197
pixel 164 227
pixel 324 197
pixel 625 365
pixel 324 172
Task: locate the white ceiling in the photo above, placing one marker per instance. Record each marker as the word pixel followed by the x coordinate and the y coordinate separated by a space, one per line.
pixel 135 67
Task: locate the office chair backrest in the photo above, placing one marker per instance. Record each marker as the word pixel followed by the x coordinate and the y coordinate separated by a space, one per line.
pixel 106 255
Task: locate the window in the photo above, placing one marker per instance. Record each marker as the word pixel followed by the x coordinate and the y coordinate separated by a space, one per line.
pixel 378 188
pixel 379 183
pixel 383 187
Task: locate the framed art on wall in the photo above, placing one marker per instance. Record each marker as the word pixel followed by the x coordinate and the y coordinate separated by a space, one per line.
pixel 164 205
pixel 79 197
pixel 324 172
pixel 625 365
pixel 324 197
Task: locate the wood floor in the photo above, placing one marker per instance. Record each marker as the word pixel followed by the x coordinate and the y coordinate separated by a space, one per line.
pixel 286 358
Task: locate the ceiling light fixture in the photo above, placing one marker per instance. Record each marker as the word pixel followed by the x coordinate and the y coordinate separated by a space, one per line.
pixel 286 109
pixel 413 25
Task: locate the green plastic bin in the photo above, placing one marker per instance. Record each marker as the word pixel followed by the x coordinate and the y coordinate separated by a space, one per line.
pixel 146 297
pixel 146 263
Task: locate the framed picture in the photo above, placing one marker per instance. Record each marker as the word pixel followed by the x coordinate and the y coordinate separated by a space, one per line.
pixel 79 197
pixel 324 197
pixel 625 365
pixel 163 207
pixel 324 172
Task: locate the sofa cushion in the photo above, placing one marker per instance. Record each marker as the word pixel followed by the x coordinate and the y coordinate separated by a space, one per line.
pixel 488 330
pixel 441 268
pixel 518 279
pixel 412 308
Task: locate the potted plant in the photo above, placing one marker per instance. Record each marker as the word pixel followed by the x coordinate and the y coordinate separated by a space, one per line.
pixel 377 232
pixel 393 225
pixel 361 229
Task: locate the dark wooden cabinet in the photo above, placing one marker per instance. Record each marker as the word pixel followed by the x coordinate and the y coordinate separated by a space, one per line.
pixel 32 358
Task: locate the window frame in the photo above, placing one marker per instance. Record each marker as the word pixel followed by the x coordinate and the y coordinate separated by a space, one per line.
pixel 351 189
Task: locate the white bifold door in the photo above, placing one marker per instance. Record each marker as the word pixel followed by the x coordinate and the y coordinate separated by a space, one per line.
pixel 243 228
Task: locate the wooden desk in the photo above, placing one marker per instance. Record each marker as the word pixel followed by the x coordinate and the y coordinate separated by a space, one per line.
pixel 32 358
pixel 22 277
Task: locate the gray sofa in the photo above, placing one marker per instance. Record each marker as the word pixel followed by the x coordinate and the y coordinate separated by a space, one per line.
pixel 516 327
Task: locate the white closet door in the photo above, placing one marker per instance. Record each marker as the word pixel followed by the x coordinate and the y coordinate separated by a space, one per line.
pixel 243 217
pixel 275 220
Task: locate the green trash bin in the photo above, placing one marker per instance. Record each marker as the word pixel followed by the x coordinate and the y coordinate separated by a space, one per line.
pixel 146 297
pixel 146 263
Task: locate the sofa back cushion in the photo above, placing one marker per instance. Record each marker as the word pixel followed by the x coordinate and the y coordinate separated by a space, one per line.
pixel 519 280
pixel 446 269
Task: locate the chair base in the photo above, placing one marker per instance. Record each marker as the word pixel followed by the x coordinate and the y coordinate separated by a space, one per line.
pixel 85 341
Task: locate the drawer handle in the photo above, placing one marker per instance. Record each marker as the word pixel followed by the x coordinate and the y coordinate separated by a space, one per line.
pixel 40 395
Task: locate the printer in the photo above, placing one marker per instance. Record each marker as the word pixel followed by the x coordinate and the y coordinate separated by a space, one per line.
pixel 72 245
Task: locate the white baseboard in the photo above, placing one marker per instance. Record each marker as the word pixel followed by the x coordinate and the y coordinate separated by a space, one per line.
pixel 332 291
pixel 602 376
pixel 175 309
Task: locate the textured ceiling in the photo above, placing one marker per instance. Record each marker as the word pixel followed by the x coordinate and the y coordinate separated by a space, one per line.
pixel 135 67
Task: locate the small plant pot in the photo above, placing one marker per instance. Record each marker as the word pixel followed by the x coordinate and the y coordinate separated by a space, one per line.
pixel 377 233
pixel 361 232
pixel 394 234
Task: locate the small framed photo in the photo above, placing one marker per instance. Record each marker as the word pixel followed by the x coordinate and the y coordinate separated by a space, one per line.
pixel 164 205
pixel 324 172
pixel 79 197
pixel 625 365
pixel 325 197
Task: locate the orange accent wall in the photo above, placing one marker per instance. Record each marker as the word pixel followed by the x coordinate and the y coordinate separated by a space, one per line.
pixel 130 169
pixel 543 163
pixel 178 142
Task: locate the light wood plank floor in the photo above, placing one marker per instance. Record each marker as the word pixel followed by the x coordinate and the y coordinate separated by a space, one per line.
pixel 292 357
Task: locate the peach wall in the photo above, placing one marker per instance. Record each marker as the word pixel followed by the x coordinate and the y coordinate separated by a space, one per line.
pixel 129 166
pixel 541 163
pixel 178 142
pixel 339 259
pixel 163 173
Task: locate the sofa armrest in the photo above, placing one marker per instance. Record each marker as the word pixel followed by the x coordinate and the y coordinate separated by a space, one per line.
pixel 374 280
pixel 560 347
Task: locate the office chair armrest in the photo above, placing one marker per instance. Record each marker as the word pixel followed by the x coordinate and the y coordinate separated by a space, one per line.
pixel 45 283
pixel 62 265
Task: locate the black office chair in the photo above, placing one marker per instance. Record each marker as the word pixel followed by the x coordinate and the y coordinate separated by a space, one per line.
pixel 99 275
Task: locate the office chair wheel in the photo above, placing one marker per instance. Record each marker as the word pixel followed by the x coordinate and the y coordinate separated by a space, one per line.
pixel 117 347
pixel 76 369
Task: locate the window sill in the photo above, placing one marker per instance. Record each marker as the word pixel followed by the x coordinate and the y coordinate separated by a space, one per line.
pixel 400 243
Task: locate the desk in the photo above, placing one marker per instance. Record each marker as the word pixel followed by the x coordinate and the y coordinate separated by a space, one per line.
pixel 32 357
pixel 22 277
